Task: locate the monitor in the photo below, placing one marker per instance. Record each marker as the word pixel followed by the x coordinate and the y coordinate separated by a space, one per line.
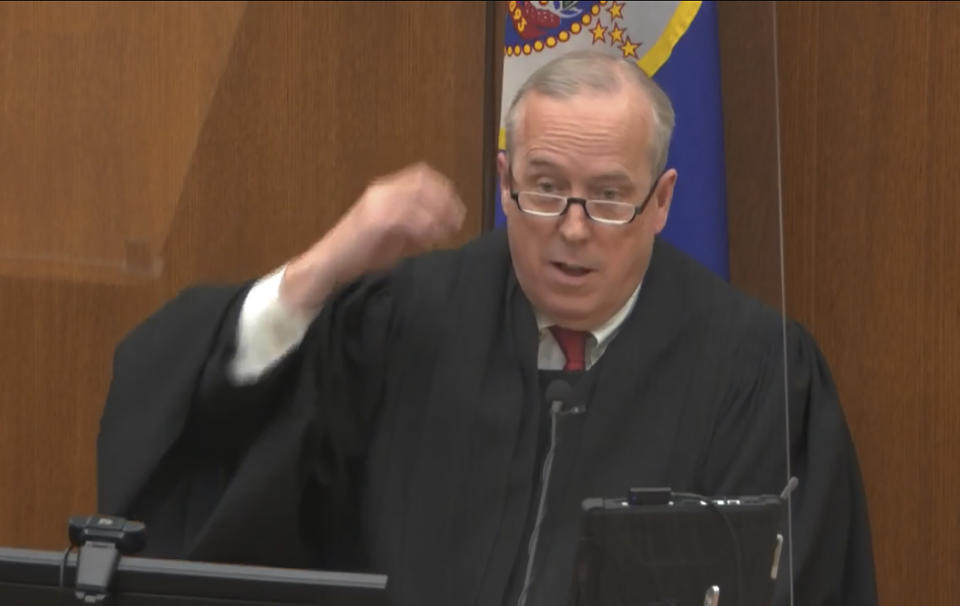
pixel 685 551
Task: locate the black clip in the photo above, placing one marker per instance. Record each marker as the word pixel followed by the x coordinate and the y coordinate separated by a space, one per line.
pixel 102 539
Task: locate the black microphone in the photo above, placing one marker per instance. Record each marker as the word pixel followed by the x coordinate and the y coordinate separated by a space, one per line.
pixel 559 395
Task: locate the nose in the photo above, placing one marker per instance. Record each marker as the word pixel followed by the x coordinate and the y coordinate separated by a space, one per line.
pixel 574 224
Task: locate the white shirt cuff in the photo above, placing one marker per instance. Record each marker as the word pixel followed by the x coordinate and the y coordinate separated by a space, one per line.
pixel 267 330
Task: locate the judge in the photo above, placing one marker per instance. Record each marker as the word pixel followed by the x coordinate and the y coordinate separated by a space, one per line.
pixel 373 407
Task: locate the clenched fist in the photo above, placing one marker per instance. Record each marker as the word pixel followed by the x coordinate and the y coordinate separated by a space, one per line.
pixel 399 215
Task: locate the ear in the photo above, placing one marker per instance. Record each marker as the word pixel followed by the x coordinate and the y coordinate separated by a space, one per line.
pixel 503 173
pixel 662 198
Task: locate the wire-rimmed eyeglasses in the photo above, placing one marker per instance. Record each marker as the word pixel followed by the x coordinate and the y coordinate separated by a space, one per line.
pixel 610 212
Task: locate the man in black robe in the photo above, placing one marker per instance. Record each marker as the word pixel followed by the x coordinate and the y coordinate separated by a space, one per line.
pixel 367 408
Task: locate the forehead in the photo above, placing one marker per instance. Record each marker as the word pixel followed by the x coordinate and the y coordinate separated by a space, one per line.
pixel 591 131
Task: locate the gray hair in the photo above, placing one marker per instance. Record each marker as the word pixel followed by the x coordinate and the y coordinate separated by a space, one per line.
pixel 567 75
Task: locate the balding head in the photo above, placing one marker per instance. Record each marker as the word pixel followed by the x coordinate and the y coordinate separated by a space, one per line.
pixel 594 71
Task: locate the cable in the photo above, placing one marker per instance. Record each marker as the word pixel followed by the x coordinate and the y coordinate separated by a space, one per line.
pixel 730 529
pixel 783 298
pixel 63 565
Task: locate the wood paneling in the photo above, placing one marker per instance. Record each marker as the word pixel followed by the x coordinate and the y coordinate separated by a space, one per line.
pixel 102 105
pixel 748 54
pixel 870 121
pixel 190 142
pixel 317 100
pixel 496 14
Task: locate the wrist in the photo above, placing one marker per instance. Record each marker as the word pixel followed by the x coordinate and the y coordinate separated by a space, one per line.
pixel 310 278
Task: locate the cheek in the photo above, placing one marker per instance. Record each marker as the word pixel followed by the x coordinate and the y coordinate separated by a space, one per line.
pixel 625 258
pixel 530 238
pixel 529 243
pixel 524 246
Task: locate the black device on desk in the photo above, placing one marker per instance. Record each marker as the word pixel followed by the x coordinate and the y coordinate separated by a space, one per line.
pixel 102 573
pixel 655 547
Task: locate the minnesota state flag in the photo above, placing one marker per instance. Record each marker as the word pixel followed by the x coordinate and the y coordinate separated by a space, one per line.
pixel 676 44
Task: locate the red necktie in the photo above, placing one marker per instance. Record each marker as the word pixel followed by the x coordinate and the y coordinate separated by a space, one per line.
pixel 573 343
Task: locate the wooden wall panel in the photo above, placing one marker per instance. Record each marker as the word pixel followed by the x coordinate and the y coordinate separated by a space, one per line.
pixel 748 55
pixel 279 116
pixel 870 121
pixel 102 104
pixel 315 102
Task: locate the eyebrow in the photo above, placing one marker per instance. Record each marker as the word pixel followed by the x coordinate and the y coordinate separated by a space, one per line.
pixel 617 176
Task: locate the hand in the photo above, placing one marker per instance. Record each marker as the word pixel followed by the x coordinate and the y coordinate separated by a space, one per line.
pixel 399 215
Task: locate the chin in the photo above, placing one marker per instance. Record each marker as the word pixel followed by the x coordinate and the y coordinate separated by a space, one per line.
pixel 577 315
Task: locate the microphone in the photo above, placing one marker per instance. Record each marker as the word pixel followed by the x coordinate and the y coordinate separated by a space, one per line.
pixel 791 485
pixel 560 396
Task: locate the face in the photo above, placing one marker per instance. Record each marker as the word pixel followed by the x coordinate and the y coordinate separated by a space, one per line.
pixel 596 146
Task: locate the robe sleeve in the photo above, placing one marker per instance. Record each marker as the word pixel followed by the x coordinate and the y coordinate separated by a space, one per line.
pixel 262 473
pixel 832 549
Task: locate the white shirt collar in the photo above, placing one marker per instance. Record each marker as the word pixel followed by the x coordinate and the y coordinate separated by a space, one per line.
pixel 606 331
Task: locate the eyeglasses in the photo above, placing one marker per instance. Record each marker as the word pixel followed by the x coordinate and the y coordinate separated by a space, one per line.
pixel 610 212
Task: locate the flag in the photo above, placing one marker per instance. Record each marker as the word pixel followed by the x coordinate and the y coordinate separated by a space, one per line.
pixel 676 44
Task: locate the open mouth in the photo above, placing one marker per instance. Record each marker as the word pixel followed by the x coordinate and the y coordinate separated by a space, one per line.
pixel 571 270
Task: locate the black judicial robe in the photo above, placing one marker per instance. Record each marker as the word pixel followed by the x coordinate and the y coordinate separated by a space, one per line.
pixel 401 437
